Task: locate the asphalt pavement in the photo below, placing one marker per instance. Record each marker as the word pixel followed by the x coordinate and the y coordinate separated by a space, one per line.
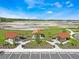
pixel 40 55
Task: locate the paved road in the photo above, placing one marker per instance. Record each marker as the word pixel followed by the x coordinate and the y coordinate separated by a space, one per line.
pixel 40 55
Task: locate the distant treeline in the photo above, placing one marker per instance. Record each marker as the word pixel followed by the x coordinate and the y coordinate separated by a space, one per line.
pixel 12 19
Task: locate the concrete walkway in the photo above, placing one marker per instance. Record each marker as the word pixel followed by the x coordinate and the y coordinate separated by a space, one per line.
pixel 22 43
pixel 71 33
pixel 56 46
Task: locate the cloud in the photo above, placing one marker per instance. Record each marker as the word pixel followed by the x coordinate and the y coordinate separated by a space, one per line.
pixel 34 3
pixel 12 14
pixel 70 5
pixel 66 15
pixel 57 4
pixel 43 8
pixel 6 13
pixel 68 2
pixel 49 12
pixel 31 3
pixel 59 15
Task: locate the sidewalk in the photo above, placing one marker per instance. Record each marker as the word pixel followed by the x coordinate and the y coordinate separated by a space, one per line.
pixel 71 32
pixel 22 43
pixel 56 46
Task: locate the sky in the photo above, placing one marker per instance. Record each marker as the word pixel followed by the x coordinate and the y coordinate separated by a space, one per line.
pixel 40 9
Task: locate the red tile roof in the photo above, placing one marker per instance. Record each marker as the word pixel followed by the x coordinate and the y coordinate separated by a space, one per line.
pixel 63 35
pixel 10 34
pixel 37 31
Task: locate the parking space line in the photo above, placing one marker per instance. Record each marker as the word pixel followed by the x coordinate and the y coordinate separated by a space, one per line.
pixel 30 55
pixel 10 55
pixel 59 55
pixel 50 55
pixel 40 55
pixel 20 56
pixel 69 55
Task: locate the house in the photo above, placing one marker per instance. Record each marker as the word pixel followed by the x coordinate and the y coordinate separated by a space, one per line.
pixel 10 36
pixel 14 37
pixel 38 32
pixel 63 36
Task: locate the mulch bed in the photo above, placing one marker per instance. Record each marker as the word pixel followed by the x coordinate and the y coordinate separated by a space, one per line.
pixel 34 45
pixel 7 47
pixel 69 47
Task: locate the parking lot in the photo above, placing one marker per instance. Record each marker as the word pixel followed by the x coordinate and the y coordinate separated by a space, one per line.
pixel 40 55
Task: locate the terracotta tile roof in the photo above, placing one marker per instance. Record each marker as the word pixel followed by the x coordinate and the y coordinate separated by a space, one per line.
pixel 37 31
pixel 10 34
pixel 63 35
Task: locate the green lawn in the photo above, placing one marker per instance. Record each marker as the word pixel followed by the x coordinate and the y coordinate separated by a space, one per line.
pixel 75 29
pixel 74 42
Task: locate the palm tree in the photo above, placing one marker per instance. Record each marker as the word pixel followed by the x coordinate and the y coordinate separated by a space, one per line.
pixel 38 38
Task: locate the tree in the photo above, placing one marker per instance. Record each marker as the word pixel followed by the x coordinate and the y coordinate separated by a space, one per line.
pixel 38 38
